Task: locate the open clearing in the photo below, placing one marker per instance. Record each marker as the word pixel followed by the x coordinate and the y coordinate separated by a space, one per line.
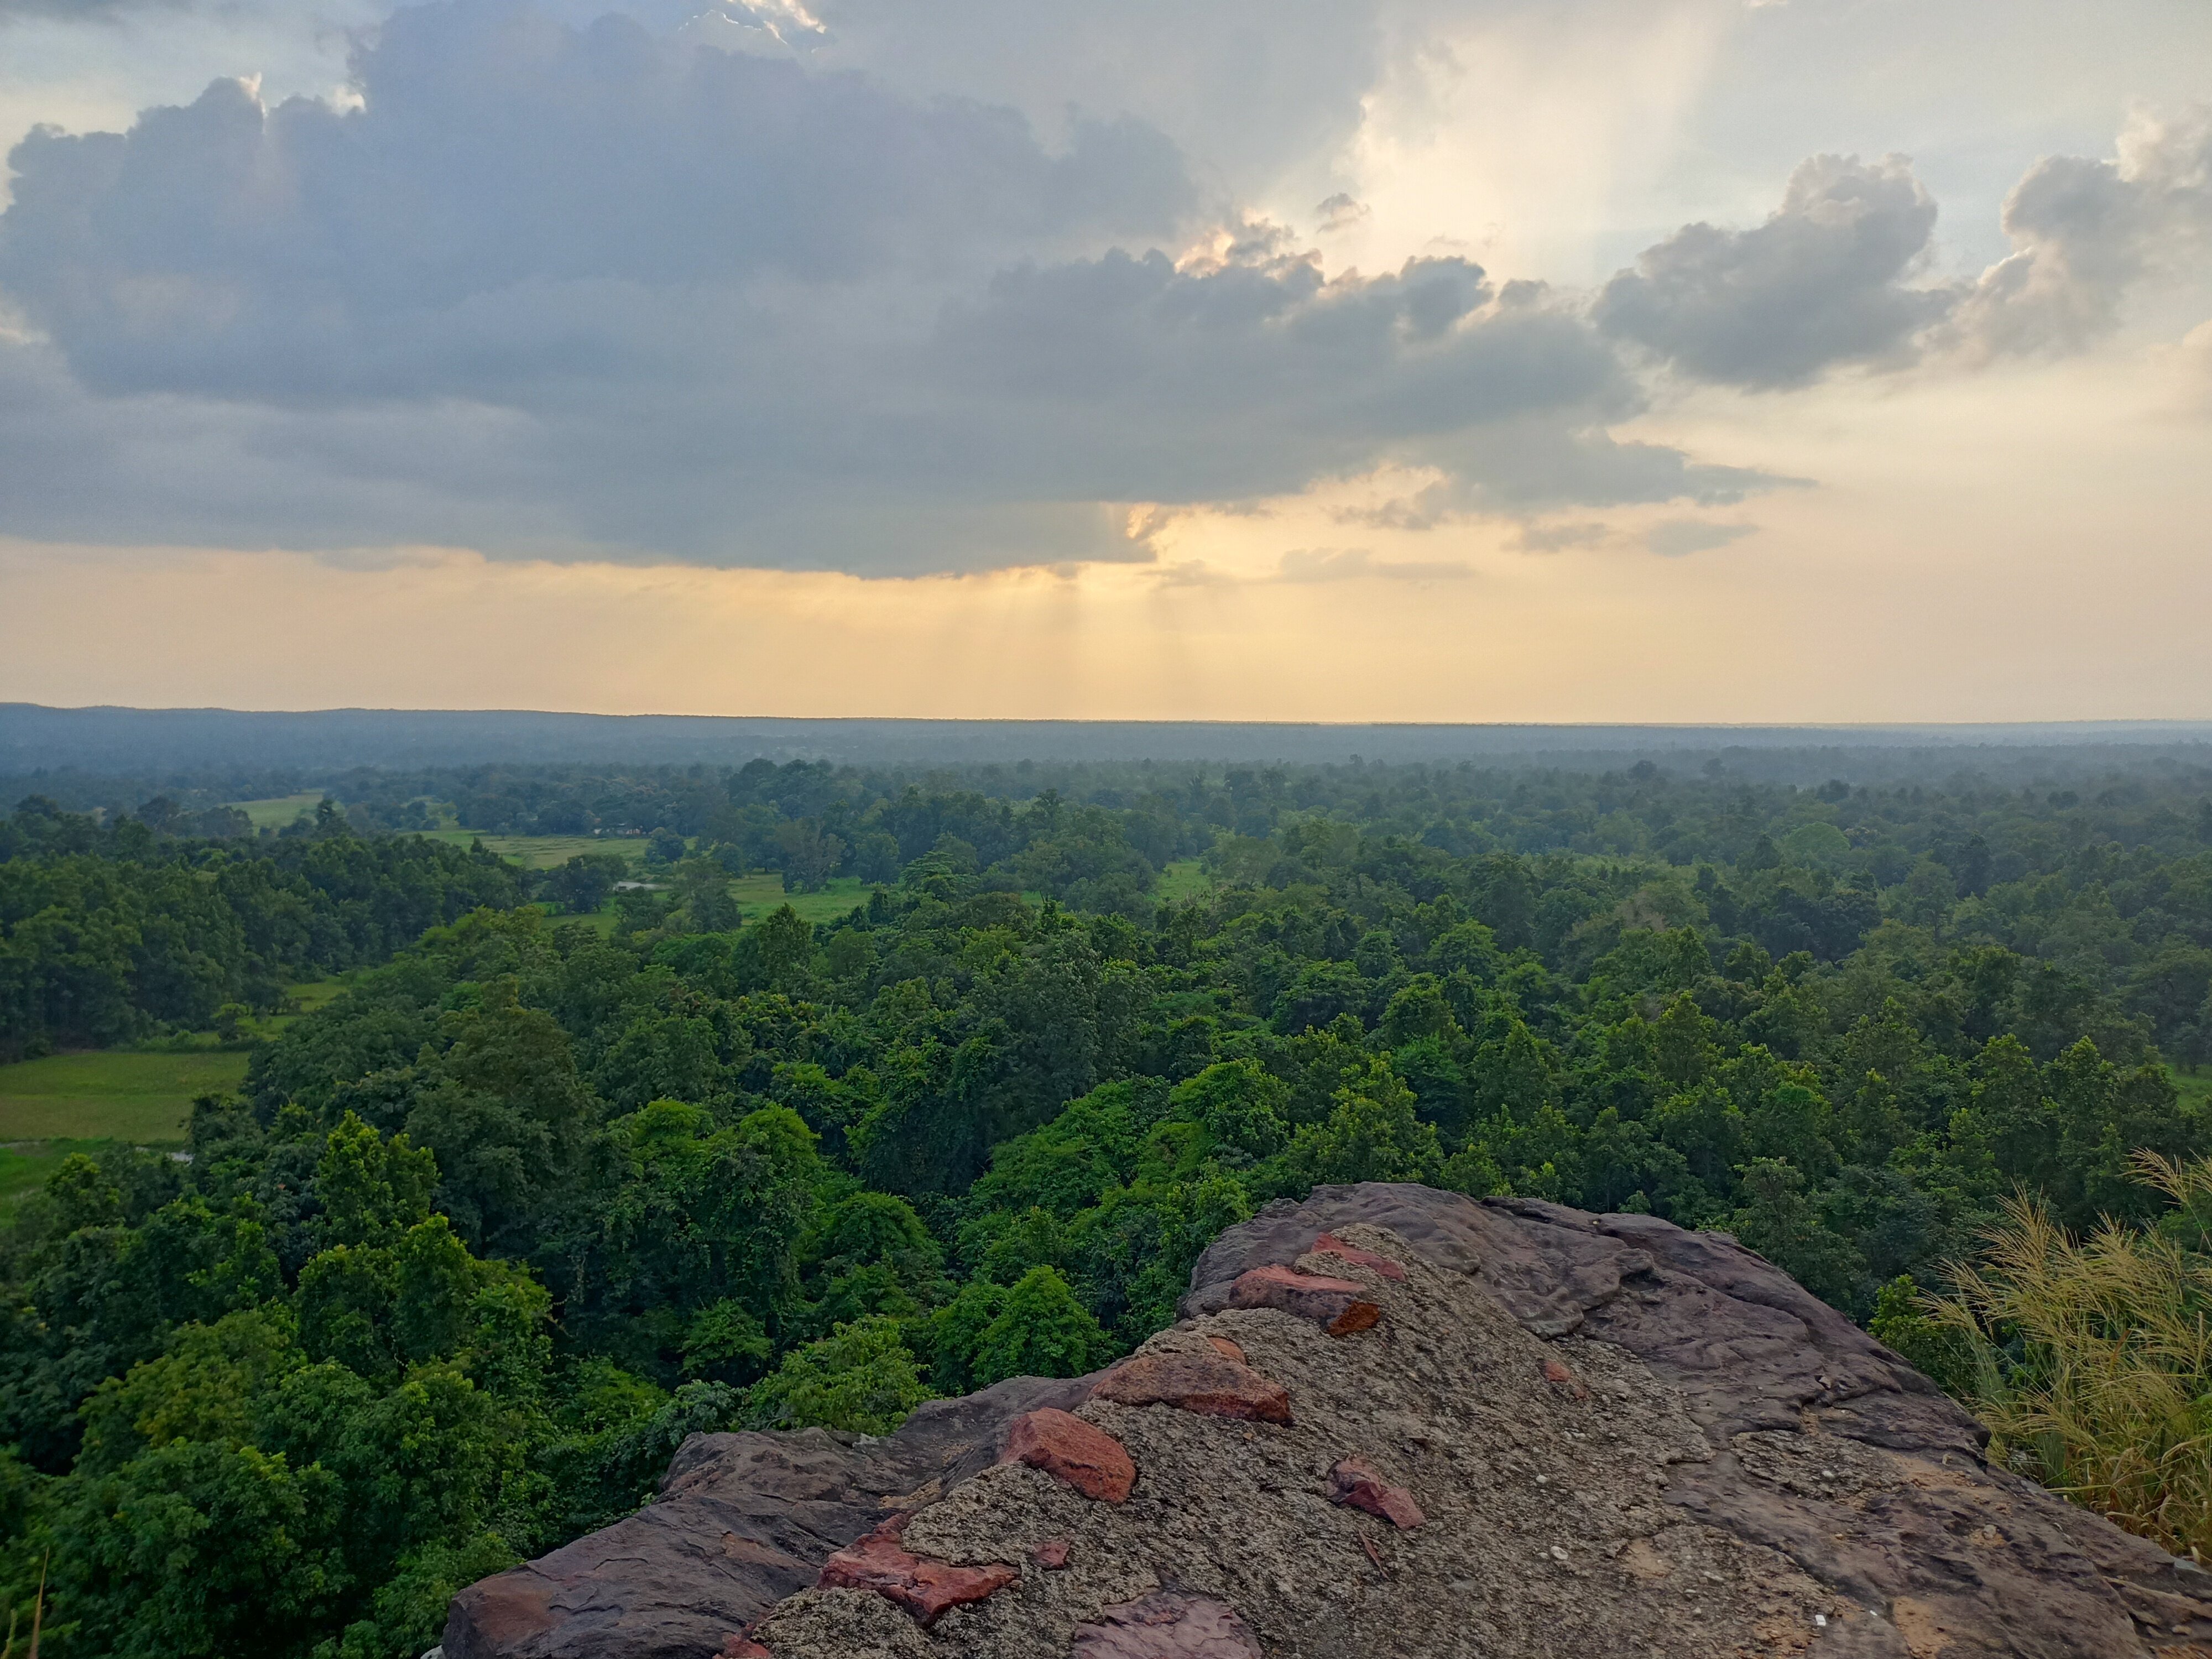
pixel 25 1166
pixel 2196 1086
pixel 545 852
pixel 315 993
pixel 1185 879
pixel 279 810
pixel 758 896
pixel 110 1095
pixel 757 893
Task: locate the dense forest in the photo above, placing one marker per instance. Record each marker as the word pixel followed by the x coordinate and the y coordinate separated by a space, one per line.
pixel 484 1238
pixel 117 930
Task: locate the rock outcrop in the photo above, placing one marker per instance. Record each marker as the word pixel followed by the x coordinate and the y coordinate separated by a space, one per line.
pixel 1558 1434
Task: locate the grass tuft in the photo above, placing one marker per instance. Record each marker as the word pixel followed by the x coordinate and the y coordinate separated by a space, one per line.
pixel 2092 1358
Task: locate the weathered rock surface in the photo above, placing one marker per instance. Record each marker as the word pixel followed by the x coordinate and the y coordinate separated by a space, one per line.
pixel 1625 1439
pixel 742 1522
pixel 1165 1625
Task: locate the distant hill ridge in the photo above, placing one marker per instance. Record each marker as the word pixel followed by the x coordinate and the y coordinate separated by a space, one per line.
pixel 34 737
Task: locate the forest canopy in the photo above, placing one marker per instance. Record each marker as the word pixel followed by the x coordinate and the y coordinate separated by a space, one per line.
pixel 546 1190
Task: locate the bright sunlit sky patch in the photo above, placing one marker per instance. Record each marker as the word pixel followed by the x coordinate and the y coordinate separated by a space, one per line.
pixel 1677 360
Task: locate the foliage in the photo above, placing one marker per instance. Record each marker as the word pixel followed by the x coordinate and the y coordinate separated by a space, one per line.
pixel 2092 1357
pixel 860 1378
pixel 109 933
pixel 806 1167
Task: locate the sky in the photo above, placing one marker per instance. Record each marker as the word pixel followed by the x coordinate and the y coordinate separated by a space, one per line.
pixel 1423 360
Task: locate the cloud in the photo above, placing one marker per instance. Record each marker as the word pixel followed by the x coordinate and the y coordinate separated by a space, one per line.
pixel 2196 369
pixel 1342 565
pixel 1676 538
pixel 1828 279
pixel 82 10
pixel 559 290
pixel 1529 469
pixel 2086 232
pixel 1253 87
pixel 1340 212
pixel 1839 273
pixel 1557 538
pixel 498 164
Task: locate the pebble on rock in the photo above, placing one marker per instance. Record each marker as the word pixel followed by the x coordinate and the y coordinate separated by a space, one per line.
pixel 923 1588
pixel 1077 1454
pixel 1354 1483
pixel 1228 1350
pixel 1557 1374
pixel 1211 1384
pixel 1330 1244
pixel 1166 1625
pixel 1339 1306
pixel 1052 1555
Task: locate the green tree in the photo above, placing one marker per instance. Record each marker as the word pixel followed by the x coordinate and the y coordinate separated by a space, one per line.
pixel 1040 1330
pixel 860 1378
pixel 1239 1103
pixel 1372 1134
pixel 1779 1221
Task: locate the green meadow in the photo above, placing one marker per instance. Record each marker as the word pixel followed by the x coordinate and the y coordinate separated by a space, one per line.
pixel 757 894
pixel 25 1165
pixel 110 1095
pixel 545 852
pixel 2196 1086
pixel 1184 878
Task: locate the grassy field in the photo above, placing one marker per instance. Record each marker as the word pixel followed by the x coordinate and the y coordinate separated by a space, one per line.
pixel 279 811
pixel 759 895
pixel 545 852
pixel 25 1166
pixel 109 1095
pixel 1185 879
pixel 2196 1087
pixel 313 995
pixel 756 895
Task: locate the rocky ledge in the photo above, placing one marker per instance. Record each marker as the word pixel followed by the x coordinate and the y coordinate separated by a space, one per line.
pixel 1391 1421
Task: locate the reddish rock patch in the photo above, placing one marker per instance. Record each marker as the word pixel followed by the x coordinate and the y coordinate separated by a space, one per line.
pixel 1557 1374
pixel 1166 1626
pixel 923 1588
pixel 1330 1244
pixel 1075 1453
pixel 1228 1350
pixel 1339 1306
pixel 1355 1484
pixel 1052 1555
pixel 743 1647
pixel 1210 1384
pixel 508 1610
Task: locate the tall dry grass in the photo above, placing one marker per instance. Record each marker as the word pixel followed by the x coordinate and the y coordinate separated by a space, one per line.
pixel 2092 1358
